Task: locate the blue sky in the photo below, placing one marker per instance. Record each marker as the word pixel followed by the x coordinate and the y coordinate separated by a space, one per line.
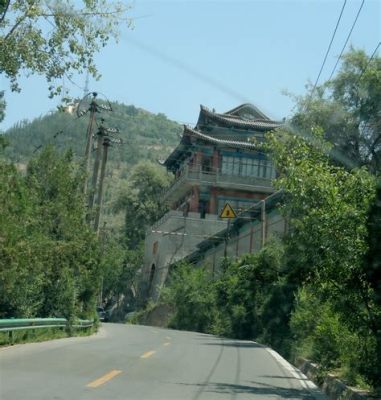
pixel 181 54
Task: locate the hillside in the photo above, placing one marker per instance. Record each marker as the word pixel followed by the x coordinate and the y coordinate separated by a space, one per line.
pixel 145 135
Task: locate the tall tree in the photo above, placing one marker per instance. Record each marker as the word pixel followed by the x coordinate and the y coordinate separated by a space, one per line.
pixel 55 38
pixel 2 106
pixel 142 200
pixel 327 207
pixel 348 109
pixel 49 259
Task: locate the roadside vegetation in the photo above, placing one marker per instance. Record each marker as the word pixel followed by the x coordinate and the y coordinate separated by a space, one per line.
pixel 52 264
pixel 317 292
pixel 41 335
pixel 50 261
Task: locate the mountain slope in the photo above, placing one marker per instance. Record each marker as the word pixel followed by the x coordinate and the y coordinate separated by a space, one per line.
pixel 145 135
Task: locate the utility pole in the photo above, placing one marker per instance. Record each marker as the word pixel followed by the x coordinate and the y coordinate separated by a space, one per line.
pixel 93 109
pixel 106 144
pixel 107 141
pixel 100 137
pixel 83 108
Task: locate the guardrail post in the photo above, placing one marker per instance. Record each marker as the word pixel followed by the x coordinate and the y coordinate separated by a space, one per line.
pixel 10 337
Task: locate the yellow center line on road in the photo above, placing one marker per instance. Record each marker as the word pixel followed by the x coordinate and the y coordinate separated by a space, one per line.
pixel 166 344
pixel 148 354
pixel 103 379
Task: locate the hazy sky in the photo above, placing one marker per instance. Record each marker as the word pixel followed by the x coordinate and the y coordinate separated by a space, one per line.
pixel 181 54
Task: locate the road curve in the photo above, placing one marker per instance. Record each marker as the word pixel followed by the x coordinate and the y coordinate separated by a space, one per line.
pixel 144 363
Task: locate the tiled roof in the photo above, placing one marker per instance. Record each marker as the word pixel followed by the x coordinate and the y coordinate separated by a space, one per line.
pixel 228 119
pixel 212 139
pixel 247 108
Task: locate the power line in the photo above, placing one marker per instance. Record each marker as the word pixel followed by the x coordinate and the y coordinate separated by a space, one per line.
pixel 329 47
pixel 346 41
pixel 367 65
pixel 195 73
pixel 56 134
pixel 4 10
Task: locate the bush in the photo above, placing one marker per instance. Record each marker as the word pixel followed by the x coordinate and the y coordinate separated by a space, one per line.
pixel 191 293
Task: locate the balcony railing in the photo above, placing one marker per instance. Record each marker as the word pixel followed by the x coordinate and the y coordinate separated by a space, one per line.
pixel 196 175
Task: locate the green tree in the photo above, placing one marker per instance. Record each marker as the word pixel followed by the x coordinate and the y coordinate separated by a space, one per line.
pixel 21 273
pixel 142 200
pixel 49 259
pixel 327 207
pixel 190 291
pixel 242 291
pixel 347 108
pixel 55 38
pixel 2 106
pixel 72 251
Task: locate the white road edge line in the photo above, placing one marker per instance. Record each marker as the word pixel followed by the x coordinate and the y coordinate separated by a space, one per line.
pixel 304 381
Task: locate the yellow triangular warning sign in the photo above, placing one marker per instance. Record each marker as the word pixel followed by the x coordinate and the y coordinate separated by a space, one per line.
pixel 228 212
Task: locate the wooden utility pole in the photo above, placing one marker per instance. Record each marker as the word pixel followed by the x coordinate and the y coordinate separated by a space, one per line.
pixel 106 145
pixel 100 137
pixel 93 109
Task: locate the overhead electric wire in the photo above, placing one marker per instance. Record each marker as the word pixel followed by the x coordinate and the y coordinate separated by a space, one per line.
pixel 367 65
pixel 330 44
pixel 190 70
pixel 347 39
pixel 57 133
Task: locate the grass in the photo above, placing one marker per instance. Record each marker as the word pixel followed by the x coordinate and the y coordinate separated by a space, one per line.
pixel 41 335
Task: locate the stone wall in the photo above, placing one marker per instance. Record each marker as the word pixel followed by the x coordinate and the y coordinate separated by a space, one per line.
pixel 170 239
pixel 248 238
pixel 202 241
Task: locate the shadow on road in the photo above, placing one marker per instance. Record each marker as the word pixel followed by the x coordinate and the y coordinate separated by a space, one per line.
pixel 260 390
pixel 283 377
pixel 226 343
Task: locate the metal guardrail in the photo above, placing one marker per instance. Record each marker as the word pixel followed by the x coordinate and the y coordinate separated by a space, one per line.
pixel 13 324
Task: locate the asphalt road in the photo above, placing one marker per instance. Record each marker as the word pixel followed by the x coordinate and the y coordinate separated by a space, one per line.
pixel 139 362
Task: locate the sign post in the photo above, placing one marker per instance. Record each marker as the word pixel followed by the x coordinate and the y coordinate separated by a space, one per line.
pixel 229 214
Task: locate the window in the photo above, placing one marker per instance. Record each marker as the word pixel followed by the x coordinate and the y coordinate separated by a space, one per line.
pixel 230 165
pixel 207 164
pixel 241 166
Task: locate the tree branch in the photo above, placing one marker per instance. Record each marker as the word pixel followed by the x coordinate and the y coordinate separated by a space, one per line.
pixel 6 6
pixel 17 24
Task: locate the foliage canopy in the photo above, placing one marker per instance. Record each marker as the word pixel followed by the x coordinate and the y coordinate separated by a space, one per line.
pixel 54 38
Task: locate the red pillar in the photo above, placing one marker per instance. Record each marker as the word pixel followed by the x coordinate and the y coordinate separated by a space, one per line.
pixel 216 161
pixel 213 202
pixel 197 160
pixel 193 205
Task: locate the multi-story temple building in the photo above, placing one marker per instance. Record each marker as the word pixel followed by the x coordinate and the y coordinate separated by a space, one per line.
pixel 216 162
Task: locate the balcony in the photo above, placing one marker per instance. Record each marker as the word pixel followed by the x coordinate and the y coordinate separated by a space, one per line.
pixel 195 176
